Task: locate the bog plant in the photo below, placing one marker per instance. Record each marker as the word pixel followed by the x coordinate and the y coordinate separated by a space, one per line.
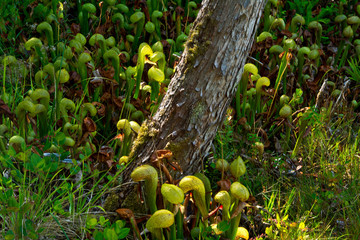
pixel 173 215
pixel 78 79
pixel 66 92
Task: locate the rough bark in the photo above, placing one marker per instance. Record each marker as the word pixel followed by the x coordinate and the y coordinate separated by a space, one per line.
pixel 203 86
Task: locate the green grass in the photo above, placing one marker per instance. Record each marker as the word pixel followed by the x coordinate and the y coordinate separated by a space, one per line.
pixel 48 199
pixel 316 195
pixel 313 193
pixel 354 70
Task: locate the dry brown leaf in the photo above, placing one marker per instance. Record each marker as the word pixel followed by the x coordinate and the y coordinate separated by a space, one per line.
pixel 224 184
pixel 89 125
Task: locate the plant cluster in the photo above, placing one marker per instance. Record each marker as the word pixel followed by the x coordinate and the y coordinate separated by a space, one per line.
pixel 190 207
pixel 299 67
pixel 84 80
pixel 80 77
pixel 298 96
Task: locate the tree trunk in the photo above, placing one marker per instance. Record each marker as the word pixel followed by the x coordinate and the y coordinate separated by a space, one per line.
pixel 203 86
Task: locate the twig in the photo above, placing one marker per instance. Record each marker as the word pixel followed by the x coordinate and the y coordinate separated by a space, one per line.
pixel 320 93
pixel 345 86
pixel 262 64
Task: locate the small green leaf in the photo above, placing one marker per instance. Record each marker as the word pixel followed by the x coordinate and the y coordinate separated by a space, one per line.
pixel 91 223
pixel 120 224
pixel 123 233
pixel 110 234
pixel 102 221
pixel 35 159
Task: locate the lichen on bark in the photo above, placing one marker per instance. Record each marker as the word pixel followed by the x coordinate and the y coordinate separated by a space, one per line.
pixel 133 202
pixel 198 42
pixel 178 148
pixel 147 132
pixel 197 112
